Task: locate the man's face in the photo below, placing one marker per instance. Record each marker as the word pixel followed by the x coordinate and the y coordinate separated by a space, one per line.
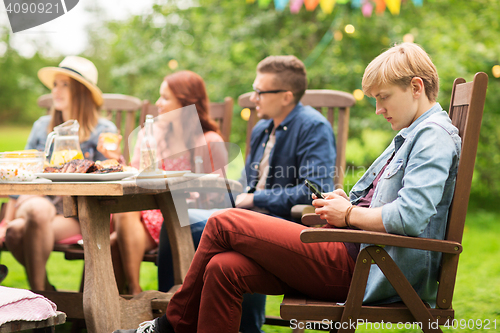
pixel 397 105
pixel 270 105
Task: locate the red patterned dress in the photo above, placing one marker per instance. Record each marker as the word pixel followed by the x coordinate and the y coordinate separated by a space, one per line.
pixel 153 219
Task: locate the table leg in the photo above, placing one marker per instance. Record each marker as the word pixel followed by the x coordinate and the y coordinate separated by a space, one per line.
pixel 100 296
pixel 180 238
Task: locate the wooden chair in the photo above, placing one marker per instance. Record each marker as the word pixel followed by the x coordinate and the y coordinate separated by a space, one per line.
pixel 222 113
pixel 331 100
pixel 123 110
pixel 466 109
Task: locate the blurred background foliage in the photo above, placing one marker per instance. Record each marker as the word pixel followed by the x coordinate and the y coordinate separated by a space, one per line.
pixel 224 40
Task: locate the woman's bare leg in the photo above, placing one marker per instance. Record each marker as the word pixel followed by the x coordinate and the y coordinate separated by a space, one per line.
pixel 14 239
pixel 133 242
pixel 117 263
pixel 31 237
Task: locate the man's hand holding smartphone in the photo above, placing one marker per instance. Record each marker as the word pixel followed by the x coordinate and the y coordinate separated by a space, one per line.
pixel 316 194
pixel 314 190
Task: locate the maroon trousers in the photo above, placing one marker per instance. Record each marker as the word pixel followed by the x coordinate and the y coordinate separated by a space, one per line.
pixel 246 252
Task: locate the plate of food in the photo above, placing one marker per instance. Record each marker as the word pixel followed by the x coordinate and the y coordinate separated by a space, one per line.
pixel 202 175
pixel 162 174
pixel 86 170
pixel 86 177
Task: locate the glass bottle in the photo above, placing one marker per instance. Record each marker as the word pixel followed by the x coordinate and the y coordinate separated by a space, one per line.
pixel 198 164
pixel 148 147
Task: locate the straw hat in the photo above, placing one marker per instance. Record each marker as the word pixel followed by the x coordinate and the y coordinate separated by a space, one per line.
pixel 78 68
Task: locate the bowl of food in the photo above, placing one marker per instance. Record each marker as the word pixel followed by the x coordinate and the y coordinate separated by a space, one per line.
pixel 20 166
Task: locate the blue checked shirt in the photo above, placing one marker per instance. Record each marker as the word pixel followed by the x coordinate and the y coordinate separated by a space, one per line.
pixel 304 149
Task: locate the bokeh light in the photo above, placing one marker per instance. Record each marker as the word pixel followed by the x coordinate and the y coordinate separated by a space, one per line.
pixel 496 71
pixel 349 29
pixel 358 94
pixel 245 114
pixel 173 64
pixel 408 38
pixel 338 35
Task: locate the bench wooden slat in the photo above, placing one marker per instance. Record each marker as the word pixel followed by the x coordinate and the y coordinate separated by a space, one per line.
pixel 22 325
pixel 303 308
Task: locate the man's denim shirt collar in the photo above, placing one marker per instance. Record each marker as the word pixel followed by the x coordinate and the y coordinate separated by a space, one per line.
pixel 366 180
pixel 403 134
pixel 287 120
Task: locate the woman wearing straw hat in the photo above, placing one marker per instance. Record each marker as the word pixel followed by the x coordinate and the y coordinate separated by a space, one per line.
pixel 38 221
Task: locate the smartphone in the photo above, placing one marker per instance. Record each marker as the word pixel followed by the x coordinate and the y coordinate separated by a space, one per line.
pixel 313 189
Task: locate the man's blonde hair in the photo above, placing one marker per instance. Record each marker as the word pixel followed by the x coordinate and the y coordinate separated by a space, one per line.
pixel 398 66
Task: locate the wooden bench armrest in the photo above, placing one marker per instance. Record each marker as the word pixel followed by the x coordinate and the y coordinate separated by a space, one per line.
pixel 298 211
pixel 312 219
pixel 379 238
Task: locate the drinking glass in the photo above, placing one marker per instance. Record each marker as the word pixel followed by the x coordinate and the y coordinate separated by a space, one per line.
pixel 110 140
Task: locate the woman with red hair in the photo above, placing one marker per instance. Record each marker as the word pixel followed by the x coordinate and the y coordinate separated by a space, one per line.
pixel 177 132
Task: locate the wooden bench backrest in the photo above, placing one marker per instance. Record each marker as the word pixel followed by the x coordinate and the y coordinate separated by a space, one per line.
pixel 320 99
pixel 466 111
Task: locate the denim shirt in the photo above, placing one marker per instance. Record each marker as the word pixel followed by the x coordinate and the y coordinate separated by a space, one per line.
pixel 304 149
pixel 415 192
pixel 38 136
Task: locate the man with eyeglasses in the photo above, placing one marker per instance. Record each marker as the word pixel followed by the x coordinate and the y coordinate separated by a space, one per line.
pixel 291 143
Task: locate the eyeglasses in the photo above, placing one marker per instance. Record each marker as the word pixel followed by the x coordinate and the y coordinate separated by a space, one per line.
pixel 260 92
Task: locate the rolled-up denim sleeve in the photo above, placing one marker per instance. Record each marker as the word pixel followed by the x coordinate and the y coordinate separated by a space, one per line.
pixel 425 175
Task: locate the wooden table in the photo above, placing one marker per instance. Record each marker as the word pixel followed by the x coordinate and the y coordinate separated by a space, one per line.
pixel 92 203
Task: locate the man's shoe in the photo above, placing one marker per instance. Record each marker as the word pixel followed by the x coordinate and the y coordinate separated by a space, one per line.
pixel 145 327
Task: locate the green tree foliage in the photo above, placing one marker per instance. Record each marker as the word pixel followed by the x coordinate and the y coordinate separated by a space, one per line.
pixel 19 85
pixel 224 40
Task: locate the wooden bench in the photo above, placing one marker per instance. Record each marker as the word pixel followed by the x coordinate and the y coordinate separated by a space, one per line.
pixel 40 326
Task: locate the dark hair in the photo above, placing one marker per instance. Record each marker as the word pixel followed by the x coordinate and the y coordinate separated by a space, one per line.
pixel 290 72
pixel 189 88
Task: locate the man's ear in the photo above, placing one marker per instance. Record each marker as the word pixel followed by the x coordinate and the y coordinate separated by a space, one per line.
pixel 288 98
pixel 417 87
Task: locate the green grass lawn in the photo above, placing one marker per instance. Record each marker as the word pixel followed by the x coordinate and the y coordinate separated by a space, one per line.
pixel 13 137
